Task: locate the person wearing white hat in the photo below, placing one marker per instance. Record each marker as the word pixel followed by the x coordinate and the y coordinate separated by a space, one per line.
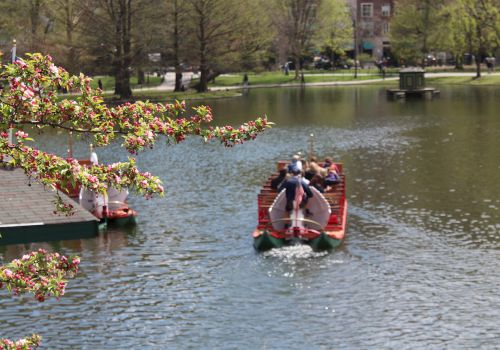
pixel 295 164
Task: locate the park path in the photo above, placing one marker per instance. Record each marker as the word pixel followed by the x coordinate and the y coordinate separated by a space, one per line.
pixel 169 81
pixel 322 83
pixel 349 82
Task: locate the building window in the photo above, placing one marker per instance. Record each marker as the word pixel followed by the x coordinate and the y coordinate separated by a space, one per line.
pixel 385 28
pixel 386 10
pixel 367 28
pixel 367 10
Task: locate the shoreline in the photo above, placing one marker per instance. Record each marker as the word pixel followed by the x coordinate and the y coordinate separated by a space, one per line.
pixel 219 92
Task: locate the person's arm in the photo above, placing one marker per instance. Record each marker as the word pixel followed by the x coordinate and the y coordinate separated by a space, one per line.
pixel 282 186
pixel 307 189
pixel 275 182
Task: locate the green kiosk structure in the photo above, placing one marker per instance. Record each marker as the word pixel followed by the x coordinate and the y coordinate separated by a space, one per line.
pixel 412 83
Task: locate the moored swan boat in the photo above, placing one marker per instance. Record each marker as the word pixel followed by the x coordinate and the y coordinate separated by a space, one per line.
pixel 320 224
pixel 111 207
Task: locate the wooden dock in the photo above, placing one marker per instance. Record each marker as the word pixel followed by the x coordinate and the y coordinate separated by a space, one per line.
pixel 27 213
pixel 427 93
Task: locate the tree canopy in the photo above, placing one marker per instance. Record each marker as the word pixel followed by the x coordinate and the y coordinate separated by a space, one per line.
pixel 458 27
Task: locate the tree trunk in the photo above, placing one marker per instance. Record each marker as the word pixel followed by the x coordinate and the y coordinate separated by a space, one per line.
pixel 296 61
pixel 478 64
pixel 34 22
pixel 141 77
pixel 71 58
pixel 204 68
pixel 204 78
pixel 479 51
pixel 459 65
pixel 123 48
pixel 425 34
pixel 177 60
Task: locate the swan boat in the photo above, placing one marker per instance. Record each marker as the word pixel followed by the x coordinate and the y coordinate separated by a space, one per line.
pixel 111 207
pixel 320 224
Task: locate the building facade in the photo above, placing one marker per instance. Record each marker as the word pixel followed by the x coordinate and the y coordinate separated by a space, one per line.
pixel 373 26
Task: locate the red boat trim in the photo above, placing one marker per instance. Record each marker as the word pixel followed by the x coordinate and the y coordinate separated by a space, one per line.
pixel 339 234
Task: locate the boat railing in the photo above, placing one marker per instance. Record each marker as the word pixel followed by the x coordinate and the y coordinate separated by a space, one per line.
pixel 300 232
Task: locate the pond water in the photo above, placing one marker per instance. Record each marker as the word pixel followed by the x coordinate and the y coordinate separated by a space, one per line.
pixel 418 269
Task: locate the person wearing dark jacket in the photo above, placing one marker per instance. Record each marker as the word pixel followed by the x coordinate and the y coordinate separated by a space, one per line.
pixel 291 185
pixel 278 180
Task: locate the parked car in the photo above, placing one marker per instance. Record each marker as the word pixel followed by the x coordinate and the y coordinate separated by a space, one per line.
pixel 323 63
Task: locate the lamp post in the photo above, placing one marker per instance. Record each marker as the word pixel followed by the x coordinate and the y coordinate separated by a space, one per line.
pixel 14 50
pixel 13 59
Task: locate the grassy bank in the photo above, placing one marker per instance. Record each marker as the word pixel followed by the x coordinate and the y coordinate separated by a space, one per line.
pixel 108 82
pixel 484 80
pixel 273 78
pixel 167 96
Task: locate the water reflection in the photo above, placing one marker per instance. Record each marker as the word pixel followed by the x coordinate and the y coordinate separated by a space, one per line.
pixel 114 238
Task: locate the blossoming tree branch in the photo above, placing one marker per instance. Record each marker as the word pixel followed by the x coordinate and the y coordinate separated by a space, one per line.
pixel 30 99
pixel 42 274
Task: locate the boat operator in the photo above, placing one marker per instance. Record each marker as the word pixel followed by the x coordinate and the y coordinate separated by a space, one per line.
pixel 296 189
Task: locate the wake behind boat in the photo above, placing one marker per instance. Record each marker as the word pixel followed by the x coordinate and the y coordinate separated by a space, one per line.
pixel 321 223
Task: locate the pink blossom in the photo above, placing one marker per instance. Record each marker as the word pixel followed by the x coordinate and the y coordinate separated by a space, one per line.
pixel 21 134
pixel 28 93
pixel 141 141
pixel 54 70
pixel 21 63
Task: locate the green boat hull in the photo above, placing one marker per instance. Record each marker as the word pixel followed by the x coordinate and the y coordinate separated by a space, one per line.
pixel 131 220
pixel 324 242
pixel 124 221
pixel 266 242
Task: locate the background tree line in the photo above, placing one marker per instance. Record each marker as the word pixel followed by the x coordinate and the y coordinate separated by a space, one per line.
pixel 457 27
pixel 212 36
pixel 116 37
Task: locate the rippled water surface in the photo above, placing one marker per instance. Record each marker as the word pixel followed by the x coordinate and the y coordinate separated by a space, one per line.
pixel 419 268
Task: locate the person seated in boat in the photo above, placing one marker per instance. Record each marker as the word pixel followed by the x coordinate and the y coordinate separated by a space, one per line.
pixel 278 180
pixel 317 181
pixel 331 179
pixel 329 164
pixel 291 185
pixel 309 173
pixel 313 168
pixel 295 163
